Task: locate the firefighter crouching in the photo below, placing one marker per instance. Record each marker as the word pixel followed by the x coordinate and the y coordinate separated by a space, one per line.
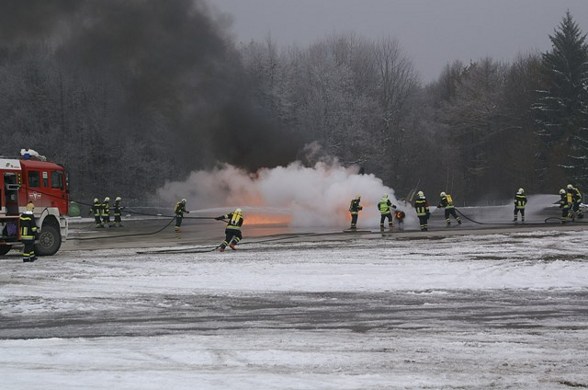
pixel 399 215
pixel 422 210
pixel 574 197
pixel 233 230
pixel 28 233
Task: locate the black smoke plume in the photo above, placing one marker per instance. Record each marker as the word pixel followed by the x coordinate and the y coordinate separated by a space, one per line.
pixel 177 73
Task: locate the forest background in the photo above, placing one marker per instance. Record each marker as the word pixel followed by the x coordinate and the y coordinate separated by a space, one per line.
pixel 129 95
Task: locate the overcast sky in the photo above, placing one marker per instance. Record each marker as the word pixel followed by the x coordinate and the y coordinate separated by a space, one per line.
pixel 431 33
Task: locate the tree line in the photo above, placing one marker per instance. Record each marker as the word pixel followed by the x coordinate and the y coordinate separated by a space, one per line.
pixel 480 131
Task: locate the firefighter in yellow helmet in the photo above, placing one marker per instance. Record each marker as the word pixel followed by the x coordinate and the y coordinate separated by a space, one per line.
pixel 354 209
pixel 446 202
pixel 520 202
pixel 233 229
pixel 28 233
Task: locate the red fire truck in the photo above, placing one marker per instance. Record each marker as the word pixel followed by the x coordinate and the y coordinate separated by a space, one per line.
pixel 44 183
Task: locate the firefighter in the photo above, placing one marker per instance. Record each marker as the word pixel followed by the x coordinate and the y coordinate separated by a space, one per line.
pixel 179 212
pixel 564 205
pixel 97 212
pixel 117 211
pixel 520 201
pixel 422 210
pixel 106 212
pixel 399 215
pixel 354 209
pixel 446 202
pixel 385 207
pixel 28 233
pixel 233 230
pixel 575 200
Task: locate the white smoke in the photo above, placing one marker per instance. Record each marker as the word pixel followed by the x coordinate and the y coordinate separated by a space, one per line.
pixel 311 196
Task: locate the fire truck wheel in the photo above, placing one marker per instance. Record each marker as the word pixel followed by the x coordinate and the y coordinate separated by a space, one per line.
pixel 4 249
pixel 49 241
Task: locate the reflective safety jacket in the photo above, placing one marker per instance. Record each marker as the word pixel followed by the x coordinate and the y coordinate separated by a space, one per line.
pixel 28 227
pixel 446 202
pixel 235 221
pixel 354 206
pixel 117 208
pixel 421 206
pixel 180 209
pixel 97 209
pixel 385 206
pixel 576 195
pixel 520 201
pixel 105 209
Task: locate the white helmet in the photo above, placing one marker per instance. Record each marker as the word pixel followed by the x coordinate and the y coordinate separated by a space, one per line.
pixel 107 199
pixel 184 201
pixel 96 200
pixel 562 191
pixel 385 196
pixel 442 194
pixel 238 211
pixel 570 187
pixel 520 191
pixel 118 199
pixel 421 194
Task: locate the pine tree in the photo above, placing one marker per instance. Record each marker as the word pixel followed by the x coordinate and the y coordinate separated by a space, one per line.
pixel 562 107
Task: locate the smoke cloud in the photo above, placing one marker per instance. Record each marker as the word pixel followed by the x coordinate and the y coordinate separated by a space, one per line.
pixel 309 196
pixel 173 71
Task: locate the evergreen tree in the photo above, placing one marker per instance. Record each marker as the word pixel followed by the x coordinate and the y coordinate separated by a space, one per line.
pixel 562 105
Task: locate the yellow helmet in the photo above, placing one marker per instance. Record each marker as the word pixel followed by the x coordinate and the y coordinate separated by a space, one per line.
pixel 421 194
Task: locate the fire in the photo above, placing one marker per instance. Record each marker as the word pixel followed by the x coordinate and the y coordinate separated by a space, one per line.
pixel 267 219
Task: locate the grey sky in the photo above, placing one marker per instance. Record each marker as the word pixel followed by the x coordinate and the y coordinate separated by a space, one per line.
pixel 431 33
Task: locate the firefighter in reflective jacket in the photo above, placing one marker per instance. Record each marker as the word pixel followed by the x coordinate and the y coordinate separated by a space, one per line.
pixel 422 210
pixel 233 230
pixel 575 197
pixel 97 212
pixel 446 202
pixel 354 209
pixel 106 212
pixel 565 204
pixel 520 201
pixel 179 211
pixel 385 207
pixel 117 211
pixel 28 233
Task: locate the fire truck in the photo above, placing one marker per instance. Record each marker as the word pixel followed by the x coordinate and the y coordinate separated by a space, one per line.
pixel 25 179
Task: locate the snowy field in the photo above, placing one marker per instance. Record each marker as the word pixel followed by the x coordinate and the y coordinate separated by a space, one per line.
pixel 494 310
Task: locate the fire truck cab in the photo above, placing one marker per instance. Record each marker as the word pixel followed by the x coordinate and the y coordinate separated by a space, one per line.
pixel 45 184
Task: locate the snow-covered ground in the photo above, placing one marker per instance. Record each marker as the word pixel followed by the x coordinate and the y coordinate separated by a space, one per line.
pixel 465 311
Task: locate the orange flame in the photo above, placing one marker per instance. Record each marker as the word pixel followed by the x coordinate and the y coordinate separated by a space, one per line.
pixel 267 219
